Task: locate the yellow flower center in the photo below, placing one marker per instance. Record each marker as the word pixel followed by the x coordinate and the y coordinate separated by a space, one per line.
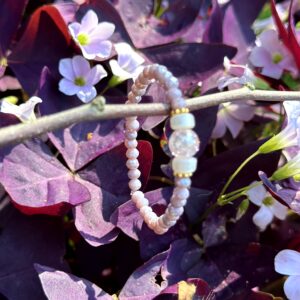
pixel 83 39
pixel 80 81
pixel 268 201
pixel 277 58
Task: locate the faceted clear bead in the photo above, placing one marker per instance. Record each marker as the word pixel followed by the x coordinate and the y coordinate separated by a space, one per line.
pixel 184 143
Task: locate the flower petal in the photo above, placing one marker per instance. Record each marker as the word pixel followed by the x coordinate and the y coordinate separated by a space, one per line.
pixel 257 194
pixel 269 40
pixel 95 75
pixel 89 21
pixel 260 57
pixel 219 129
pixel 234 125
pixel 9 83
pixel 74 29
pixel 9 108
pixel 81 66
pixel 287 262
pixel 272 70
pixel 292 287
pixel 98 48
pixel 279 210
pixel 65 68
pixel 241 111
pixel 87 94
pixel 118 71
pixel 68 87
pixel 103 31
pixel 27 108
pixel 263 217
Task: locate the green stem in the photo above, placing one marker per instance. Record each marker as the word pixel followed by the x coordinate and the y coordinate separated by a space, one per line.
pixel 231 178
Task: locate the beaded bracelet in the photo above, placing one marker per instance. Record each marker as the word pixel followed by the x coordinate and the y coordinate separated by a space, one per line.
pixel 183 144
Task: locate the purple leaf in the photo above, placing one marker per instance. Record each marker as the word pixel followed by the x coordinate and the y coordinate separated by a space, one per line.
pixel 34 51
pixel 146 31
pixel 67 10
pixel 10 17
pixel 38 183
pixel 109 171
pixel 57 284
pixel 24 241
pixel 91 218
pixel 146 282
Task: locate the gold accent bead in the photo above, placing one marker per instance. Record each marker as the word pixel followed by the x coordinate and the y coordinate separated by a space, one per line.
pixel 183 175
pixel 182 110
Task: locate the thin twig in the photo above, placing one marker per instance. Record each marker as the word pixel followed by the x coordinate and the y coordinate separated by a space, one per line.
pixel 97 111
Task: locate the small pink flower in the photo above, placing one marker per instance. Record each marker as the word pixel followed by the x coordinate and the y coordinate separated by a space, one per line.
pixel 272 56
pixel 232 116
pixel 129 63
pixel 79 79
pixel 92 37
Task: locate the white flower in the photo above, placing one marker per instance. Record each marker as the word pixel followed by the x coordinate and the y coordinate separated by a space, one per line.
pixel 129 63
pixel 272 56
pixel 290 135
pixel 287 262
pixel 235 74
pixel 232 115
pixel 79 79
pixel 24 112
pixel 269 207
pixel 92 37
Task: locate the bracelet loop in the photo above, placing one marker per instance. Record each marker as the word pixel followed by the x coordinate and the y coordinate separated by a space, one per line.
pixel 183 143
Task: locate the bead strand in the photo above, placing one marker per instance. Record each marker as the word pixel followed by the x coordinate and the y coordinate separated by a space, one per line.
pixel 183 144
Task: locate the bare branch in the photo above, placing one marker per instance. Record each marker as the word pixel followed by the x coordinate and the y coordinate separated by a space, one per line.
pixel 98 111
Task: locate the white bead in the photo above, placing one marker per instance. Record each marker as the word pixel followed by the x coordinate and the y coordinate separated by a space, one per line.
pixel 161 222
pixel 151 217
pixel 171 82
pixel 182 121
pixel 174 211
pixel 132 163
pixel 141 203
pixel 173 93
pixel 131 143
pixel 181 193
pixel 183 182
pixel 130 135
pixel 184 142
pixel 168 222
pixel 132 125
pixel 160 230
pixel 145 210
pixel 184 164
pixel 136 196
pixel 132 153
pixel 134 174
pixel 134 184
pixel 177 202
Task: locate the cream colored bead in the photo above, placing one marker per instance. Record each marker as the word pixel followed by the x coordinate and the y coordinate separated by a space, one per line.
pixel 182 164
pixel 132 163
pixel 131 143
pixel 182 121
pixel 134 184
pixel 134 174
pixel 132 153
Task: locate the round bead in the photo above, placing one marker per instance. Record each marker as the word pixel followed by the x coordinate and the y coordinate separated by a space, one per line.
pixel 173 93
pixel 171 82
pixel 174 211
pixel 181 193
pixel 183 182
pixel 132 153
pixel 145 210
pixel 182 121
pixel 178 103
pixel 134 184
pixel 132 125
pixel 160 230
pixel 184 143
pixel 161 222
pixel 136 196
pixel 141 203
pixel 132 163
pixel 131 143
pixel 134 174
pixel 184 164
pixel 130 135
pixel 151 218
pixel 138 92
pixel 168 222
pixel 177 202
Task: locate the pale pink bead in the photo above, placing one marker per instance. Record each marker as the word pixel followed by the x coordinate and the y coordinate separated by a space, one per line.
pixel 145 210
pixel 137 92
pixel 132 153
pixel 132 97
pixel 160 230
pixel 134 184
pixel 141 203
pixel 174 211
pixel 151 217
pixel 152 223
pixel 136 196
pixel 132 163
pixel 181 193
pixel 143 80
pixel 131 143
pixel 132 125
pixel 176 202
pixel 130 135
pixel 183 182
pixel 134 174
pixel 140 85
